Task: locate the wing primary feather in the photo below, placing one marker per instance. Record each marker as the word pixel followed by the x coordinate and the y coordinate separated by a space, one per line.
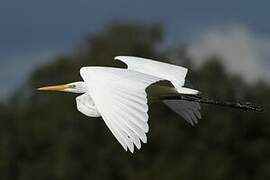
pixel 193 117
pixel 138 118
pixel 121 123
pixel 116 134
pixel 187 117
pixel 140 133
pixel 128 129
pixel 121 130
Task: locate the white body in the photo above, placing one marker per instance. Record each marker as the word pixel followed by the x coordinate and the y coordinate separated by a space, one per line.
pixel 118 95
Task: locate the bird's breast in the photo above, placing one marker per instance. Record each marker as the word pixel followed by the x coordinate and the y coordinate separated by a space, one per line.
pixel 86 105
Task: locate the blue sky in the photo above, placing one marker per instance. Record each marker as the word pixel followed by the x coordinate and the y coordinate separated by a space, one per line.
pixel 33 32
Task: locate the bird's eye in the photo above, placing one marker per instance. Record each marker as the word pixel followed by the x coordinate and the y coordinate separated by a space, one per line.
pixel 72 86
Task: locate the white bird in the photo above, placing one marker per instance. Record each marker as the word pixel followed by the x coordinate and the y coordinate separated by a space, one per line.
pixel 119 96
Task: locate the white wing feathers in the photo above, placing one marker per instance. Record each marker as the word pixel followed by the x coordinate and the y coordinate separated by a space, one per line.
pixel 190 111
pixel 120 98
pixel 175 74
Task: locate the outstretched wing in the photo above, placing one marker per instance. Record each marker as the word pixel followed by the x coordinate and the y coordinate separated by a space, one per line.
pixel 175 74
pixel 120 97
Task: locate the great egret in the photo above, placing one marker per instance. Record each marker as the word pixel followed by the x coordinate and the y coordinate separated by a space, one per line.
pixel 119 96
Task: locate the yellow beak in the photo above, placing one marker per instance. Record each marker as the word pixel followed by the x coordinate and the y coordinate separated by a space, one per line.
pixel 54 88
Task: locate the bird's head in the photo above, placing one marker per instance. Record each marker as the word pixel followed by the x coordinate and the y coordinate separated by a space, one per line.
pixel 75 87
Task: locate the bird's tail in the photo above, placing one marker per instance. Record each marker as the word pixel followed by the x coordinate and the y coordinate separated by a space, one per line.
pixel 195 98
